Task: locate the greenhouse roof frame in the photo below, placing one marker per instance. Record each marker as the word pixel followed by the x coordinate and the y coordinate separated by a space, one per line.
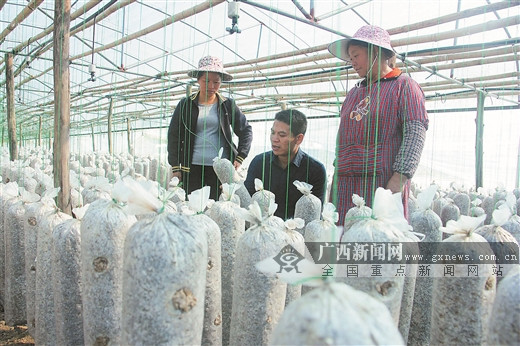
pixel 146 87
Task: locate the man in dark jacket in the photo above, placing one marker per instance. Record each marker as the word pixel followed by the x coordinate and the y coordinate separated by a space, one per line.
pixel 285 163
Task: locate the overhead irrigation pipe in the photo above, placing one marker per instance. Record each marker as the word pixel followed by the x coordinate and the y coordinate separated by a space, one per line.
pixel 452 71
pixel 513 20
pixel 154 27
pixel 285 14
pixel 343 9
pixel 456 81
pixel 468 30
pixel 517 64
pixel 85 8
pixel 302 10
pixel 20 18
pixel 452 16
pixel 103 12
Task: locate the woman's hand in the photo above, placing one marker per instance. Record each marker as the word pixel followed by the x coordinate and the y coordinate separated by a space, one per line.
pixel 236 164
pixel 177 174
pixel 396 182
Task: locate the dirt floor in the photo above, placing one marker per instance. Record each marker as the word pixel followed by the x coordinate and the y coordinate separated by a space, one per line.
pixel 17 335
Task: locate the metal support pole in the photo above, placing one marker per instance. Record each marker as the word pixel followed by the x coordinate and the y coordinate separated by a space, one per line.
pixel 110 110
pixel 129 136
pixel 92 137
pixel 517 180
pixel 11 119
pixel 39 131
pixel 479 139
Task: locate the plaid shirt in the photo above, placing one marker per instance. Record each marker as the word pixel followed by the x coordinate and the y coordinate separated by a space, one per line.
pixel 382 131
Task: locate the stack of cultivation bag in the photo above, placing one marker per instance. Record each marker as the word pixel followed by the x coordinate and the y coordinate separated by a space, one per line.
pixel 258 300
pixel 387 225
pixel 164 272
pixel 462 302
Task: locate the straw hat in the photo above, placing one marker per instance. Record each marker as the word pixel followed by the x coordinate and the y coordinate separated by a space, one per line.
pixel 211 64
pixel 369 33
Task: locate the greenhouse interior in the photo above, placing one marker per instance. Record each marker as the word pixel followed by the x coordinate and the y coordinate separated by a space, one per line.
pixel 106 238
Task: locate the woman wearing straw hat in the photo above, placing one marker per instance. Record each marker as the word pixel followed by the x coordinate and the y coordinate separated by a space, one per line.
pixel 383 122
pixel 201 125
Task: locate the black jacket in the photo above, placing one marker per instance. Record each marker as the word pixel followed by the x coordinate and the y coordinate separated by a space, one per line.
pixel 183 126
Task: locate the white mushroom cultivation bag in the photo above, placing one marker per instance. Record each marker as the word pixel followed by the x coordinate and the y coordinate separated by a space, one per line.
pixel 322 231
pixel 45 326
pixel 386 225
pixel 308 207
pixel 332 313
pixel 224 169
pixel 177 192
pixel 45 182
pixel 226 173
pixel 502 242
pixel 463 201
pixel 15 287
pixel 505 211
pixel 258 300
pixel 358 212
pixel 103 231
pixel 295 239
pixel 66 278
pixel 164 273
pixel 229 193
pixel 263 197
pixel 157 192
pixel 27 178
pixel 226 214
pixel 336 314
pixel 513 224
pixel 212 327
pixel 33 217
pixel 505 316
pixel 475 209
pixel 7 192
pixel 462 302
pixel 450 211
pixel 424 221
pixel 96 188
pixel 438 203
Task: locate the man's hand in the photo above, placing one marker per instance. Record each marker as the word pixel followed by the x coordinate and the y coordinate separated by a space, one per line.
pixel 236 164
pixel 396 182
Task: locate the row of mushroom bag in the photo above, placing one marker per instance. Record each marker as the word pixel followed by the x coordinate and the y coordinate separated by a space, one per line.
pixel 461 309
pixel 168 264
pixel 144 263
pixel 266 310
pixel 145 266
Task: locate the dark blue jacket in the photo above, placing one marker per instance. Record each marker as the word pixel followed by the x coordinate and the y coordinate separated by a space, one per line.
pixel 280 180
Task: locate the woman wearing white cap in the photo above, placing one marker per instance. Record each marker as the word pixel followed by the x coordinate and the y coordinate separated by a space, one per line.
pixel 383 122
pixel 201 124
